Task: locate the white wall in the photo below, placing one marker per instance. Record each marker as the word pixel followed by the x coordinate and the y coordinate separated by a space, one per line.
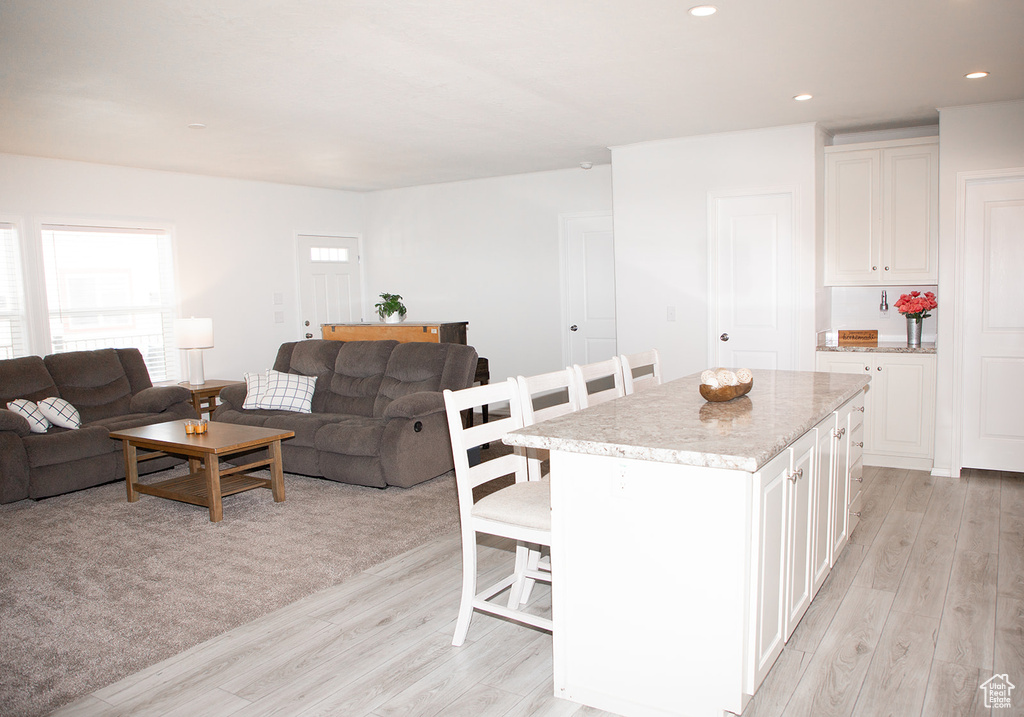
pixel 483 251
pixel 971 139
pixel 661 227
pixel 234 240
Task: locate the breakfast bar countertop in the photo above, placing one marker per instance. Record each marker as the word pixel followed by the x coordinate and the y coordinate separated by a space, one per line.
pixel 672 423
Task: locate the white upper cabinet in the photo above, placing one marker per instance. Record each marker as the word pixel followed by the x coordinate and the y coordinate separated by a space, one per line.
pixel 881 213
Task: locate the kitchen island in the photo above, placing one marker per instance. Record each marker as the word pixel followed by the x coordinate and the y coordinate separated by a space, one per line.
pixel 688 538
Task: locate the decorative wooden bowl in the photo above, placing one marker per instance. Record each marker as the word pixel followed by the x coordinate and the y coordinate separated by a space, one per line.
pixel 725 393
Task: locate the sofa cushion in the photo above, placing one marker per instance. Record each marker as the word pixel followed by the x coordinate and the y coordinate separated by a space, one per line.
pixel 60 445
pixel 37 421
pixel 26 377
pixel 60 413
pixel 353 385
pixel 415 367
pixel 353 436
pixel 156 399
pixel 288 392
pixel 305 425
pixel 94 382
pixel 130 420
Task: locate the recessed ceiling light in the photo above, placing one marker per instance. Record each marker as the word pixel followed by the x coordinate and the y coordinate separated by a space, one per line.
pixel 976 75
pixel 703 10
pixel 196 125
pixel 802 98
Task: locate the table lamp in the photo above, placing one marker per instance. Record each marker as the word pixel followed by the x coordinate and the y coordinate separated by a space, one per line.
pixel 194 335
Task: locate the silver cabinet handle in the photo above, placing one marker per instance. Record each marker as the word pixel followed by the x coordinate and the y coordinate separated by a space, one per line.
pixel 794 475
pixel 724 337
pixel 859 408
pixel 857 444
pixel 838 432
pixel 867 368
pixel 874 268
pixel 859 480
pixel 887 268
pixel 879 368
pixel 855 512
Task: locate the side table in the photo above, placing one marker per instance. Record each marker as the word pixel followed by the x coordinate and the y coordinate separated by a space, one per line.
pixel 204 396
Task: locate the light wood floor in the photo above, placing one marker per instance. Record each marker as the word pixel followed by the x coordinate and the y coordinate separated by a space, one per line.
pixel 925 604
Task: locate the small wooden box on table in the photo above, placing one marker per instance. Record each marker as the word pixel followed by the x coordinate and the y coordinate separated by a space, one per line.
pixel 206 484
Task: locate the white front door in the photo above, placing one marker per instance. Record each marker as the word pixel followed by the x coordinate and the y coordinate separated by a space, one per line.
pixel 753 313
pixel 590 289
pixel 993 326
pixel 329 282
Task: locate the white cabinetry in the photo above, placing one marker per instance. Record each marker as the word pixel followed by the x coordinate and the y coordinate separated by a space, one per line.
pixel 881 213
pixel 899 422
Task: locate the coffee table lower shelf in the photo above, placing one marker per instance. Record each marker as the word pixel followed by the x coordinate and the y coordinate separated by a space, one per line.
pixel 192 488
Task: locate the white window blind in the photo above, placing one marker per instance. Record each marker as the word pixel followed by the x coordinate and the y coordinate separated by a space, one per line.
pixel 112 288
pixel 13 339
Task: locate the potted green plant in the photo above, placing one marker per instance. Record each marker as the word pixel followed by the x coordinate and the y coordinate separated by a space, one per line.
pixel 391 310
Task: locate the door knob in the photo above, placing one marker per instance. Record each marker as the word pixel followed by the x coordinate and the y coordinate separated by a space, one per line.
pixel 305 323
pixel 724 337
pixel 574 327
pixel 309 336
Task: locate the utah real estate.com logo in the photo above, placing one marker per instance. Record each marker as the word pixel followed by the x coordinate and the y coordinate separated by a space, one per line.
pixel 997 691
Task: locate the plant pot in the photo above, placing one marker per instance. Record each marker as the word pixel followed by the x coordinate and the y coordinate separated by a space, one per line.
pixel 914 332
pixel 394 318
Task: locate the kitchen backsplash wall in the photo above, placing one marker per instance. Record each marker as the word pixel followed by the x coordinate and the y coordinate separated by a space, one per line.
pixel 856 307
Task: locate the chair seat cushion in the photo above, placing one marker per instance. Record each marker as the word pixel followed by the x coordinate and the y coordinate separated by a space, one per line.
pixel 527 504
pixel 352 436
pixel 305 425
pixel 60 445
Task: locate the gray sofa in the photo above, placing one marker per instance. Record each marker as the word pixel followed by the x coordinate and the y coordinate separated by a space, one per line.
pixel 377 411
pixel 111 390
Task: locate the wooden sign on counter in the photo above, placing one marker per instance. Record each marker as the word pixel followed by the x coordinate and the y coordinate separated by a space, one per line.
pixel 858 338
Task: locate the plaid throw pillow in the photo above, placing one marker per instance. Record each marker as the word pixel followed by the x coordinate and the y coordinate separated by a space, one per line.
pixel 36 420
pixel 60 413
pixel 288 392
pixel 255 387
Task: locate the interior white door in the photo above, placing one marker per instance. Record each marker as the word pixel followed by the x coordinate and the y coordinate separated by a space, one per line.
pixel 753 314
pixel 329 282
pixel 993 326
pixel 590 289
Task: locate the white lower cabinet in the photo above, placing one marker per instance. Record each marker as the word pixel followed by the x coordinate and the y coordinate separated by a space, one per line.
pixel 900 404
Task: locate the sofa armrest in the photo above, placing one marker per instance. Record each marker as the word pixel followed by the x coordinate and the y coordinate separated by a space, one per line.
pixel 158 399
pixel 11 421
pixel 415 405
pixel 233 395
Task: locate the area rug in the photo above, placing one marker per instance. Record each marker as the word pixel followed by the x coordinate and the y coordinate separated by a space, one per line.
pixel 93 588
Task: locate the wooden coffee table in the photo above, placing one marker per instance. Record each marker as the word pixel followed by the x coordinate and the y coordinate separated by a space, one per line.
pixel 206 484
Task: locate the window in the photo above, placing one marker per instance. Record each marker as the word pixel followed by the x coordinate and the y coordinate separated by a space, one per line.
pixel 111 287
pixel 13 339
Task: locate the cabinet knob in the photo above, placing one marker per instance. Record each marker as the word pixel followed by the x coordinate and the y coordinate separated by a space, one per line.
pixel 867 368
pixel 887 268
pixel 874 268
pixel 797 474
pixel 839 432
pixel 859 408
pixel 857 444
pixel 859 479
pixel 879 368
pixel 723 337
pixel 855 513
pixel 309 336
pixel 574 327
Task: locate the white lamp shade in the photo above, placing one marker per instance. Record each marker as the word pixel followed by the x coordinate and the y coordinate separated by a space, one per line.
pixel 193 333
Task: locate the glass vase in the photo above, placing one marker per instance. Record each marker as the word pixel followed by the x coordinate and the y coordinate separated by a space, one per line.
pixel 914 332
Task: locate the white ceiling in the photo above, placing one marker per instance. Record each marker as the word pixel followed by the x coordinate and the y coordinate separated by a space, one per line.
pixel 388 93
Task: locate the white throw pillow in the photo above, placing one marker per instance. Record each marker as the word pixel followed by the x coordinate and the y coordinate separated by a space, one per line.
pixel 255 387
pixel 36 420
pixel 60 413
pixel 288 392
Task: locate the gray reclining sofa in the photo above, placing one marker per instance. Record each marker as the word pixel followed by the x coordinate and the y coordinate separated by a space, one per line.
pixel 377 415
pixel 111 390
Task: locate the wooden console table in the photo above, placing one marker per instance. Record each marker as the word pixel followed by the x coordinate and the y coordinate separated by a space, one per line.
pixel 431 332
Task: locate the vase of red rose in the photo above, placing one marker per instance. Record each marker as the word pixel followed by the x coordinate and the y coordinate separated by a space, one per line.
pixel 915 306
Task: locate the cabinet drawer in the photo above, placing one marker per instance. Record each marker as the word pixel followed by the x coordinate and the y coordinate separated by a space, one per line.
pixel 855 508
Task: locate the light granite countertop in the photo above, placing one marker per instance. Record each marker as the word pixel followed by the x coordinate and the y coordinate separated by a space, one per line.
pixel 672 423
pixel 884 347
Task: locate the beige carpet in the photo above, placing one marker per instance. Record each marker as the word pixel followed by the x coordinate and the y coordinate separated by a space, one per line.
pixel 93 588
